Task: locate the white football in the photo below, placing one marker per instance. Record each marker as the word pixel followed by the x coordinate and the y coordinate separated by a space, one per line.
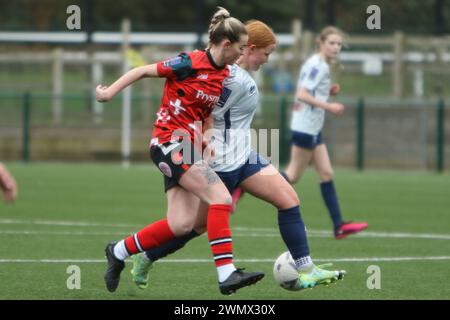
pixel 285 272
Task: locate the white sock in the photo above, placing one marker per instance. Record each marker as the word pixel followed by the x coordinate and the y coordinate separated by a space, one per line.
pixel 304 263
pixel 225 271
pixel 120 251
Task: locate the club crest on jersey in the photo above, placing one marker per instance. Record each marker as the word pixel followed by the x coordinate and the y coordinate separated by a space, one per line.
pixel 165 169
pixel 313 73
pixel 252 90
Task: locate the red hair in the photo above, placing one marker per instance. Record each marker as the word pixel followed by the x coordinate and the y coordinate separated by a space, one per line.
pixel 260 34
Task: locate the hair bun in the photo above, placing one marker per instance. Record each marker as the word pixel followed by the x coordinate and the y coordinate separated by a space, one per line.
pixel 221 14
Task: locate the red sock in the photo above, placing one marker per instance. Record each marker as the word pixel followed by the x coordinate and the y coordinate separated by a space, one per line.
pixel 150 237
pixel 219 234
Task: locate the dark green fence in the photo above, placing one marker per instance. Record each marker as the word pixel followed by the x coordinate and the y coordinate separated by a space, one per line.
pixel 368 135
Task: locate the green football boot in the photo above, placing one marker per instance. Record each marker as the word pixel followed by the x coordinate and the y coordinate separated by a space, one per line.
pixel 317 275
pixel 141 267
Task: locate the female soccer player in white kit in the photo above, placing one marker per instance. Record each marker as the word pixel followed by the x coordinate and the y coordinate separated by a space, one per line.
pixel 313 90
pixel 238 165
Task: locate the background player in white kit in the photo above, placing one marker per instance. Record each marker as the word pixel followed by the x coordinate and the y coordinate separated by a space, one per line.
pixel 238 165
pixel 313 90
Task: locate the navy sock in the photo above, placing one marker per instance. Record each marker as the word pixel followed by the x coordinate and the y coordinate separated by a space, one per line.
pixel 170 247
pixel 330 197
pixel 285 176
pixel 293 232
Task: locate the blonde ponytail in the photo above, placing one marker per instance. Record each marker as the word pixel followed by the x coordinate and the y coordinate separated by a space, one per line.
pixel 224 26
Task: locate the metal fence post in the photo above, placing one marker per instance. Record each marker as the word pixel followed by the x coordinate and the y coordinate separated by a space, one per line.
pixel 440 135
pixel 398 65
pixel 360 134
pixel 26 99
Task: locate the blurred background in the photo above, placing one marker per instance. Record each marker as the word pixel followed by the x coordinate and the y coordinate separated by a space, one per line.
pixel 390 149
pixel 394 80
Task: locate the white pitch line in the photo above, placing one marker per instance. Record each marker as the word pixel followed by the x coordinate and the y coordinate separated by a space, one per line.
pixel 271 260
pixel 61 233
pixel 249 232
pixel 68 223
pixel 311 234
pixel 116 233
pixel 364 234
pixel 368 234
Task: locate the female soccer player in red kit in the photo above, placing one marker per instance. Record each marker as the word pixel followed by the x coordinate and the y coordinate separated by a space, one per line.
pixel 194 83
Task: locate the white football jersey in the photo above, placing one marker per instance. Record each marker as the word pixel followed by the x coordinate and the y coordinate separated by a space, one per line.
pixel 233 116
pixel 315 78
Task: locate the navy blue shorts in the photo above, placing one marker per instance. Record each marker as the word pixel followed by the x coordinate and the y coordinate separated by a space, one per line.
pixel 232 179
pixel 305 140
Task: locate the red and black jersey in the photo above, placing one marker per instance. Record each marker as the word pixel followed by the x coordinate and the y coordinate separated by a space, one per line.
pixel 193 86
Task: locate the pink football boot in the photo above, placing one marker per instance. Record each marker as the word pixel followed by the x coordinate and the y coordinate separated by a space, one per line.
pixel 348 228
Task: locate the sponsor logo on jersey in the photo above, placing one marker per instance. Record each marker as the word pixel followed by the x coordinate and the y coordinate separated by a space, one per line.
pixel 211 99
pixel 165 169
pixel 252 89
pixel 202 76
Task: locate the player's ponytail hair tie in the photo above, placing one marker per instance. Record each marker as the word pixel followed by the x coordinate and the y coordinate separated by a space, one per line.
pixel 224 26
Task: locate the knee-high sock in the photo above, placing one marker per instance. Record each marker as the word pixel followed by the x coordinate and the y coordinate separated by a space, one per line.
pixel 331 201
pixel 170 247
pixel 149 237
pixel 293 232
pixel 219 234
